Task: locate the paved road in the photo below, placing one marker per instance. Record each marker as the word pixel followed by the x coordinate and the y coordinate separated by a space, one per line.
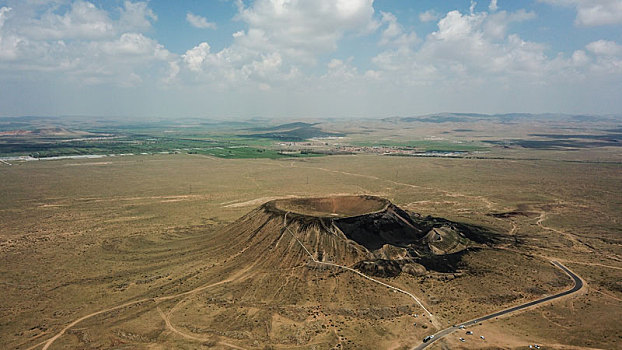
pixel 578 284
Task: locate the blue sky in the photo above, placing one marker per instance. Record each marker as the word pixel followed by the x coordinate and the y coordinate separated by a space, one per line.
pixel 299 58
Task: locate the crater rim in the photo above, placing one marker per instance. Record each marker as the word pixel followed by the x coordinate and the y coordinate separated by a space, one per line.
pixel 338 207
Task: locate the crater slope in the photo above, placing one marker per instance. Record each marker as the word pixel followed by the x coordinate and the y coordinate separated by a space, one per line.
pixel 311 273
pixel 374 235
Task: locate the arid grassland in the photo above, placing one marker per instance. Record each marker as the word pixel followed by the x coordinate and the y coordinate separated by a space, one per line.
pixel 147 247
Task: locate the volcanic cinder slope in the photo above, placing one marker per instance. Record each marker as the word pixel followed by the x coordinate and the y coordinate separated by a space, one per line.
pixel 277 294
pixel 282 295
pixel 372 234
pixel 312 273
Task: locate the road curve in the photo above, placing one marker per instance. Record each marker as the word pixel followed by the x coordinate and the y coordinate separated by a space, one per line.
pixel 578 284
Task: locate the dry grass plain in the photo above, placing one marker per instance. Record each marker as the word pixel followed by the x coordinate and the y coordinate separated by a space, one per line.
pixel 81 236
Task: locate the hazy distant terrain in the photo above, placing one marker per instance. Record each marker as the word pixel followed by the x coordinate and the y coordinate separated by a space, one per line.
pixel 449 134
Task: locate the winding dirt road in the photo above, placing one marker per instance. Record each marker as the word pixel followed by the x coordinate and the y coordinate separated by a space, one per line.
pixel 432 318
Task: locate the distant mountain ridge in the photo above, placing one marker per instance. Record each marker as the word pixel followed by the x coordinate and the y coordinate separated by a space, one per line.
pixel 296 131
pixel 505 117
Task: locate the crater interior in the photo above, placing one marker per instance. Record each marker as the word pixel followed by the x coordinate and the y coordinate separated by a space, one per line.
pixel 338 206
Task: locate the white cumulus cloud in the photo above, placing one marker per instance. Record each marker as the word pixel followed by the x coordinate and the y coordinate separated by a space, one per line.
pixel 281 37
pixel 83 20
pixel 605 48
pixel 199 22
pixel 428 16
pixel 493 6
pixel 195 57
pixel 288 56
pixel 305 28
pixel 593 12
pixel 608 57
pixel 8 41
pixel 4 11
pixel 394 33
pixel 83 42
pixel 468 46
pixel 136 16
pixel 497 23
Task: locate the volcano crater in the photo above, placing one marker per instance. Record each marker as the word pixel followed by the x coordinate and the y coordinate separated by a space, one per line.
pixel 373 234
pixel 333 207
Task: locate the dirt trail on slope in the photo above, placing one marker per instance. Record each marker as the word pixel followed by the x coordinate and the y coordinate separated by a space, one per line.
pixel 578 244
pixel 255 201
pixel 170 326
pixel 435 321
pixel 156 300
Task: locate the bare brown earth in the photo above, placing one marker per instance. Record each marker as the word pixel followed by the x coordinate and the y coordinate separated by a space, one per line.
pixel 145 252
